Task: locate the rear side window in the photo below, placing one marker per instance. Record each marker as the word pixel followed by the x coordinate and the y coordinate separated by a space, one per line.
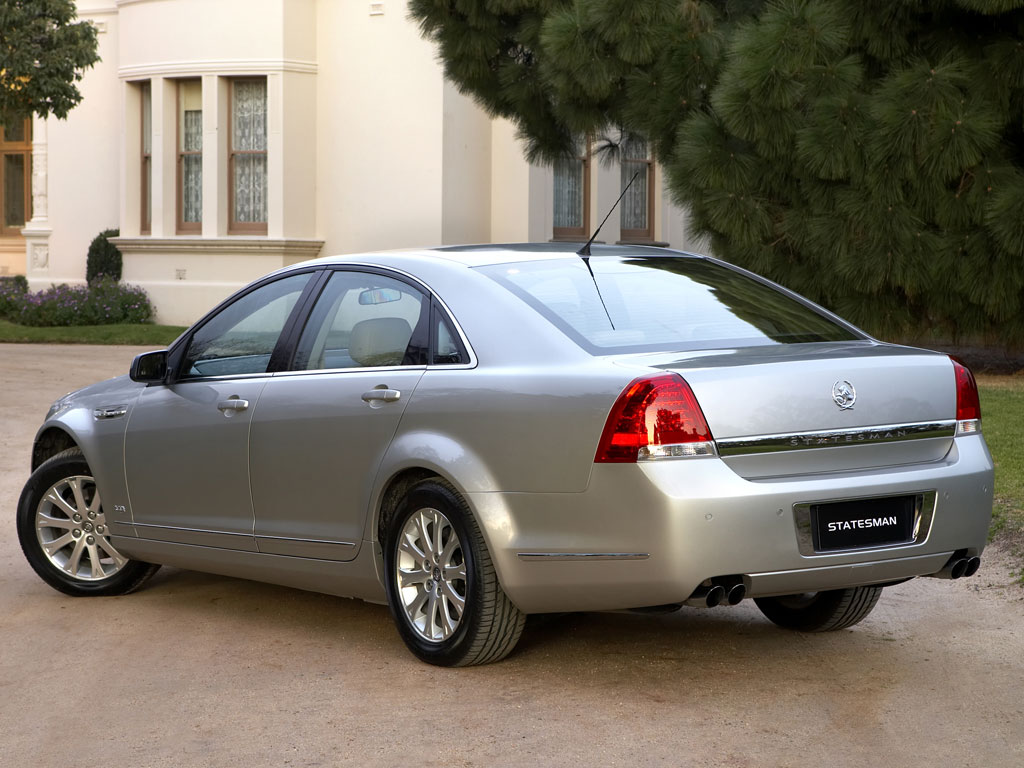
pixel 662 304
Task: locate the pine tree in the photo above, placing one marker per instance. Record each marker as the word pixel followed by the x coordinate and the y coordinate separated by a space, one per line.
pixel 867 153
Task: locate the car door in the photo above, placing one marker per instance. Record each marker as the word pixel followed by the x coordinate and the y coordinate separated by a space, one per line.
pixel 186 446
pixel 322 429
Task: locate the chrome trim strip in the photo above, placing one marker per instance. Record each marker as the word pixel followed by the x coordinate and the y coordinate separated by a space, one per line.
pixel 306 541
pixel 924 511
pixel 833 438
pixel 190 530
pixel 578 556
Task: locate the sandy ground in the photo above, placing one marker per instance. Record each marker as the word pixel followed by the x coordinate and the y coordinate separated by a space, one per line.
pixel 198 670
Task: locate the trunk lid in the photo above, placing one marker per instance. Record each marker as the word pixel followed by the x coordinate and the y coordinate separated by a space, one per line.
pixel 792 409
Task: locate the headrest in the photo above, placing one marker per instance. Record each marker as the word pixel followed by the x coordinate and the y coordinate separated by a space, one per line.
pixel 380 341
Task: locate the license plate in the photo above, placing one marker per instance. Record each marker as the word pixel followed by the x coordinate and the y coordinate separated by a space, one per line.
pixel 863 523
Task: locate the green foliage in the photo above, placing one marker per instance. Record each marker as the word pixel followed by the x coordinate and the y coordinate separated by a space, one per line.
pixel 43 54
pixel 869 154
pixel 101 303
pixel 103 261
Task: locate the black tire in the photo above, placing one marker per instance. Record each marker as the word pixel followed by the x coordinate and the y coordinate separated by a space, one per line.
pixel 489 625
pixel 820 611
pixel 65 471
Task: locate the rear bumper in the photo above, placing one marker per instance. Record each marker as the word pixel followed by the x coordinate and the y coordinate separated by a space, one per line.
pixel 649 534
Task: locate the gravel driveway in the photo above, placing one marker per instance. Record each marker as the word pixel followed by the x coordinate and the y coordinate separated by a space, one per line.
pixel 203 670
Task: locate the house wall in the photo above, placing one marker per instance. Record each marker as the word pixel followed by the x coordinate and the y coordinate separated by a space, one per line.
pixel 368 148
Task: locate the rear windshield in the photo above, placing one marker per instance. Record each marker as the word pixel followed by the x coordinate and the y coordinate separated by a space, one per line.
pixel 650 304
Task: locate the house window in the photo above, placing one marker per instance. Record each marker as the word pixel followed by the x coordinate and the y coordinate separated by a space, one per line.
pixel 146 200
pixel 15 176
pixel 637 206
pixel 190 156
pixel 572 195
pixel 248 159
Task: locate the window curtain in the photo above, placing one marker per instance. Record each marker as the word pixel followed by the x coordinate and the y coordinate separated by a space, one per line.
pixel 249 140
pixel 635 204
pixel 569 177
pixel 192 166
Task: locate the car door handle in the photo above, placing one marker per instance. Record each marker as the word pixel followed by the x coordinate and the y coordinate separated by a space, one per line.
pixel 233 404
pixel 381 395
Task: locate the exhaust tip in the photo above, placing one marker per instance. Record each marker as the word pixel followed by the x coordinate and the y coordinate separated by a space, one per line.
pixel 973 564
pixel 958 569
pixel 736 594
pixel 715 596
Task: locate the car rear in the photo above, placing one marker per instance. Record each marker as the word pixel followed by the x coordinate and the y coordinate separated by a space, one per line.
pixel 760 446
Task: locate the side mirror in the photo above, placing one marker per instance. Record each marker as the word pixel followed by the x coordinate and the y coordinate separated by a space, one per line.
pixel 149 367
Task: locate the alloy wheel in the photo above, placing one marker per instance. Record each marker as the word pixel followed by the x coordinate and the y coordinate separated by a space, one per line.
pixel 430 572
pixel 72 530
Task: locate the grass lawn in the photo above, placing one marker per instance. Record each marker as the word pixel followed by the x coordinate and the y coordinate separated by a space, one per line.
pixel 1002 418
pixel 140 335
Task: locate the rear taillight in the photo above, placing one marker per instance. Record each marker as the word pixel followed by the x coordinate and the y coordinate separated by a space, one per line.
pixel 968 407
pixel 655 417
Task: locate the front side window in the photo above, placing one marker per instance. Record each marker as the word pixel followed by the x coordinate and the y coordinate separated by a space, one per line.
pixel 649 304
pixel 572 195
pixel 15 176
pixel 364 320
pixel 248 161
pixel 241 338
pixel 190 156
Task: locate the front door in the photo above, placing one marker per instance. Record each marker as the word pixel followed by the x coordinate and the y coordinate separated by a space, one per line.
pixel 187 443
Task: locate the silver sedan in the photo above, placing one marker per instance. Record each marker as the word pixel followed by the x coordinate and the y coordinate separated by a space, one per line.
pixel 475 434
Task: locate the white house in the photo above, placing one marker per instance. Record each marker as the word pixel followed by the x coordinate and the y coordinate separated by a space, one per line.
pixel 226 138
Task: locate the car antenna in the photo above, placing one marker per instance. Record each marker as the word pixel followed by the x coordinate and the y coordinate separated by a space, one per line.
pixel 584 252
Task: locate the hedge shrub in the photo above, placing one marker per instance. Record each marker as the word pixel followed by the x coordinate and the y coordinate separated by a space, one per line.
pixel 105 302
pixel 104 260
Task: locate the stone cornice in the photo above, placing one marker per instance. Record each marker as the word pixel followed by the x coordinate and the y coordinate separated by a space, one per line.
pixel 242 246
pixel 216 67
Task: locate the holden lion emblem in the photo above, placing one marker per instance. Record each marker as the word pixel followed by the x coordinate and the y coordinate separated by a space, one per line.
pixel 844 394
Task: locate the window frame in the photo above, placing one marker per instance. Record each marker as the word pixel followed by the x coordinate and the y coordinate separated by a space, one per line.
pixel 243 227
pixel 183 227
pixel 577 234
pixel 16 148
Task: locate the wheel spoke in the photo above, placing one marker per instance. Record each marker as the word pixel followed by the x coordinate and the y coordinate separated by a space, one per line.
pixel 95 505
pixel 407 578
pixel 76 557
pixel 95 566
pixel 58 501
pixel 431 626
pixel 407 544
pixel 457 600
pixel 76 488
pixel 454 572
pixel 423 535
pixel 448 622
pixel 450 549
pixel 117 557
pixel 440 524
pixel 416 605
pixel 44 520
pixel 53 547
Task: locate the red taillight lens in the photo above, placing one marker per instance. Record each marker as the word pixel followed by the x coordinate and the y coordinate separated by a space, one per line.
pixel 968 407
pixel 655 417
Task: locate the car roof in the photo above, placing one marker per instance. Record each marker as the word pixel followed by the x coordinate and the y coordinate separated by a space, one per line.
pixel 486 254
